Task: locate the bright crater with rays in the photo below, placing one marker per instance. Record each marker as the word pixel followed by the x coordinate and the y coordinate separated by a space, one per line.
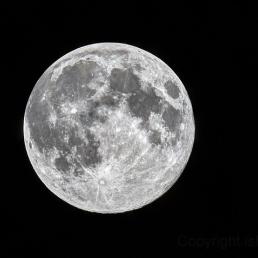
pixel 109 128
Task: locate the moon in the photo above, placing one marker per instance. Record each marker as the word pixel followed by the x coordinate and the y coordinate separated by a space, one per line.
pixel 109 128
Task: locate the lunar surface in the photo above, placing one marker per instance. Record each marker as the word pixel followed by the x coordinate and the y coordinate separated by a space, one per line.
pixel 109 128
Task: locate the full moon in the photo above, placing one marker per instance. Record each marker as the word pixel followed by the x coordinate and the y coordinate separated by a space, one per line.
pixel 109 128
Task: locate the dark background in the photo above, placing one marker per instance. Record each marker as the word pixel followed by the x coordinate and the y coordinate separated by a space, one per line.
pixel 212 207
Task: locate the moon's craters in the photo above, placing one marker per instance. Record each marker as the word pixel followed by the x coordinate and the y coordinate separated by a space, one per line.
pixel 108 127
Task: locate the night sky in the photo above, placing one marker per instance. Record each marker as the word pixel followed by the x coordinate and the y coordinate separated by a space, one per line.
pixel 212 208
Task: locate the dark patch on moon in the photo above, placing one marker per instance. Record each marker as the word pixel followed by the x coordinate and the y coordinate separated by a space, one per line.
pixel 172 89
pixel 138 67
pixel 74 140
pixel 38 111
pixel 93 114
pixel 87 118
pixel 58 135
pixel 109 100
pixel 40 131
pixel 69 83
pixel 172 117
pixel 84 92
pixel 62 164
pixel 89 152
pixel 124 81
pixel 80 73
pixel 78 171
pixel 155 137
pixel 142 103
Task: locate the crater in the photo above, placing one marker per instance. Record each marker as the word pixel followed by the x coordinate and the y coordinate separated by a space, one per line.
pixel 102 181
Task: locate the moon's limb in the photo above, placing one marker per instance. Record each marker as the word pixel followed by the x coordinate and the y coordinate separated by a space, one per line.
pixel 109 128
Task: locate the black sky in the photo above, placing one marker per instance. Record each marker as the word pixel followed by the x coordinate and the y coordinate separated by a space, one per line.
pixel 213 50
